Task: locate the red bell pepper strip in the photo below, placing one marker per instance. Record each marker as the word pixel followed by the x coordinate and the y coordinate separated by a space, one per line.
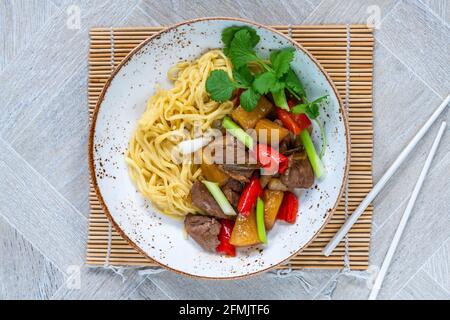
pixel 288 209
pixel 295 123
pixel 288 121
pixel 271 160
pixel 302 121
pixel 225 247
pixel 249 196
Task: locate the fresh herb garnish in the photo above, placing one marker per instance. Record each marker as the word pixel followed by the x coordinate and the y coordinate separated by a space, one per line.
pixel 239 47
pixel 243 76
pixel 242 50
pixel 311 109
pixel 249 99
pixel 264 82
pixel 219 86
pixel 294 85
pixel 272 79
pixel 229 33
pixel 281 61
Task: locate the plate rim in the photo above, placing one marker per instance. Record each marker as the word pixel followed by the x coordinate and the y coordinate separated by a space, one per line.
pixel 101 97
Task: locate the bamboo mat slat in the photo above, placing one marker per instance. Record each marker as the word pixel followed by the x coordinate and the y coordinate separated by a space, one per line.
pixel 328 43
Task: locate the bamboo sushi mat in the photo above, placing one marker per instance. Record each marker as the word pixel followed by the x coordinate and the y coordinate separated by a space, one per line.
pixel 346 52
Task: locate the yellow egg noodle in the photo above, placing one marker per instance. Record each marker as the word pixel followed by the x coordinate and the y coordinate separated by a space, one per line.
pixel 171 117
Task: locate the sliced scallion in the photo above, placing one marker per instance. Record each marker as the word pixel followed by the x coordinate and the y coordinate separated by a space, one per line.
pixel 260 221
pixel 238 132
pixel 280 100
pixel 316 163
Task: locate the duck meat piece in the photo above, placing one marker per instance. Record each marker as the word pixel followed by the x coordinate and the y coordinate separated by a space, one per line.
pixel 299 174
pixel 241 167
pixel 232 196
pixel 293 151
pixel 232 190
pixel 203 200
pixel 283 147
pixel 226 149
pixel 204 230
pixel 289 143
pixel 264 180
pixel 235 185
pixel 232 157
pixel 275 184
pixel 238 172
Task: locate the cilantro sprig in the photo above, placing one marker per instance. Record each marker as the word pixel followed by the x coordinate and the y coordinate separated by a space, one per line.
pixel 311 109
pixel 229 33
pixel 240 43
pixel 276 76
pixel 220 87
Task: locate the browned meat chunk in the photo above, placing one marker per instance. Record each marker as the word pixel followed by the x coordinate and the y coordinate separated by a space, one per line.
pixel 299 174
pixel 203 200
pixel 239 173
pixel 264 180
pixel 232 190
pixel 289 143
pixel 204 230
pixel 231 157
pixel 275 184
pixel 226 149
pixel 235 185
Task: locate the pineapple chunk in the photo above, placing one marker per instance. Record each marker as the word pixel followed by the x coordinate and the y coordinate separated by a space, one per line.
pixel 272 203
pixel 247 120
pixel 266 128
pixel 245 232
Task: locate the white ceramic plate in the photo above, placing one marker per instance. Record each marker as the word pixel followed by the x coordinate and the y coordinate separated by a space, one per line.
pixel 161 238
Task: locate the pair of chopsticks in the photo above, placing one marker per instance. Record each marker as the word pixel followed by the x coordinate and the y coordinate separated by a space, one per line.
pixel 379 186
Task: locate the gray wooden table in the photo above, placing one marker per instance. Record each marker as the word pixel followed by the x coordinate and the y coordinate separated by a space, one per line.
pixel 43 148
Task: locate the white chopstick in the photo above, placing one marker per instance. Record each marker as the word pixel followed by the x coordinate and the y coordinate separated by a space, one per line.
pixel 384 179
pixel 387 260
